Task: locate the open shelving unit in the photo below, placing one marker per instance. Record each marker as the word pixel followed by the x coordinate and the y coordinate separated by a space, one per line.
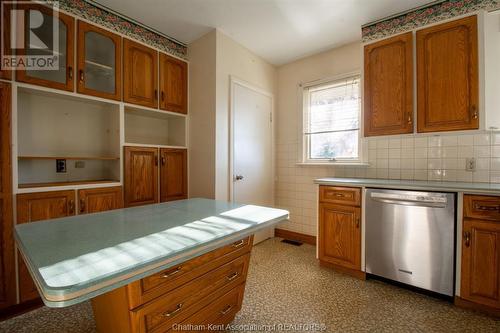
pixel 149 127
pixel 83 132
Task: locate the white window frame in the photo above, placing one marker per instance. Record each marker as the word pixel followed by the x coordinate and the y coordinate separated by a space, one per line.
pixel 304 112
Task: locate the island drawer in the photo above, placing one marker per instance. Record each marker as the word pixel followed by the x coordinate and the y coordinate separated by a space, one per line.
pixel 153 286
pixel 482 207
pixel 219 312
pixel 340 195
pixel 177 305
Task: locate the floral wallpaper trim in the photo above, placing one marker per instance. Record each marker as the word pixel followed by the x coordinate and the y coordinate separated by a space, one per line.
pixel 424 16
pixel 81 8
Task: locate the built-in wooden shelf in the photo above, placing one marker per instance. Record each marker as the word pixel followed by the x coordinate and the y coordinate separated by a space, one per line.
pixel 80 182
pixel 103 158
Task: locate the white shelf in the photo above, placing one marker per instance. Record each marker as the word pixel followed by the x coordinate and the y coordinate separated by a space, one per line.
pixel 151 112
pixel 152 146
pixel 61 187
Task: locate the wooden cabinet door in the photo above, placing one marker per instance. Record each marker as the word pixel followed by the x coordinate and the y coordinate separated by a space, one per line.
pixel 32 207
pixel 481 262
pixel 5 39
pixel 388 91
pixel 99 62
pixel 173 84
pixel 447 76
pixel 100 199
pixel 63 77
pixel 173 174
pixel 141 176
pixel 340 235
pixel 140 74
pixel 7 267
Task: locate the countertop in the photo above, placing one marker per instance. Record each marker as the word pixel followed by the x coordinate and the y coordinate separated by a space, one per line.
pixel 474 188
pixel 76 258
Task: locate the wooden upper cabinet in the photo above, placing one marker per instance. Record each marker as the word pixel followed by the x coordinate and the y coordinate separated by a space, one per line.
pixel 388 90
pixel 7 267
pixel 141 176
pixel 480 278
pixel 340 235
pixel 173 174
pixel 140 74
pixel 173 84
pixel 33 207
pixel 99 62
pixel 99 199
pixel 5 40
pixel 63 77
pixel 447 76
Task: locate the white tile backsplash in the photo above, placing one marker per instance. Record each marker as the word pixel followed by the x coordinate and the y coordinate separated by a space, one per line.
pixel 413 157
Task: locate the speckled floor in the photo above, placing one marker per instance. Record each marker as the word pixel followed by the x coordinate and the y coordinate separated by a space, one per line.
pixel 286 286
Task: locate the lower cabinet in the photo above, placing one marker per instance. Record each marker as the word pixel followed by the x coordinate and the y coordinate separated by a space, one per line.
pixel 141 176
pixel 99 199
pixel 205 290
pixel 146 167
pixel 173 174
pixel 480 269
pixel 340 229
pixel 32 207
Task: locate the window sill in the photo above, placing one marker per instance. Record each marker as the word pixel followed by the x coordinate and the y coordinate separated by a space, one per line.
pixel 339 163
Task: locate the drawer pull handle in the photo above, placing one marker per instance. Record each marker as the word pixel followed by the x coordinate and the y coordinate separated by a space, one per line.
pixel 172 272
pixel 339 195
pixel 238 244
pixel 226 310
pixel 467 238
pixel 82 206
pixel 486 208
pixel 232 276
pixel 357 222
pixel 174 312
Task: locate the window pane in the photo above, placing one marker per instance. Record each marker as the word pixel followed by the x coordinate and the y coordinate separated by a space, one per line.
pixel 334 145
pixel 334 107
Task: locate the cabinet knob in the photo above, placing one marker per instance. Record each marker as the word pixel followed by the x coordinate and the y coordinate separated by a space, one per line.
pixel 467 238
pixel 82 206
pixel 82 76
pixel 238 177
pixel 70 72
pixel 156 95
pixel 162 96
pixel 71 207
pixel 410 121
pixel 474 112
pixel 357 222
pixel 163 160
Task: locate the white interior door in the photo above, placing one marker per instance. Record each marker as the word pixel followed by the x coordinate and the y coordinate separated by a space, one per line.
pixel 252 149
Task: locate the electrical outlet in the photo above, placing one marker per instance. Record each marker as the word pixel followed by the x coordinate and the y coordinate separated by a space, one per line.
pixel 470 164
pixel 79 164
pixel 60 166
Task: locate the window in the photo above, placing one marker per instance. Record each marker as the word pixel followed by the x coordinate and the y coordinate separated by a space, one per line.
pixel 331 120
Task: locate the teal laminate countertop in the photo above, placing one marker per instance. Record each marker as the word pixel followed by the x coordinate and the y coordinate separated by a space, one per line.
pixel 474 188
pixel 76 258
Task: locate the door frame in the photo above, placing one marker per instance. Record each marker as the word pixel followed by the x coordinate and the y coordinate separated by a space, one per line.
pixel 237 81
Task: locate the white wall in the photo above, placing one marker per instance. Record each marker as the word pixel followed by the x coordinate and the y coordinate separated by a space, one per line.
pixel 214 58
pixel 295 190
pixel 202 87
pixel 234 60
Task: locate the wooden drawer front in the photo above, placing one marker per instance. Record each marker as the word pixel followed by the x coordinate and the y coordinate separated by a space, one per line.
pixel 175 306
pixel 340 195
pixel 145 290
pixel 482 207
pixel 220 312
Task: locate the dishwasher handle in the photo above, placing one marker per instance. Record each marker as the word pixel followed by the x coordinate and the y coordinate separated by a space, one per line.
pixel 421 201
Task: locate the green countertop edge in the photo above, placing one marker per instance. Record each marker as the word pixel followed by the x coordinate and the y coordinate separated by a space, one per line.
pixel 180 256
pixel 443 186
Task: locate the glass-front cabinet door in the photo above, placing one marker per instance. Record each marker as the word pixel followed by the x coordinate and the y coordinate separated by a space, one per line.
pixel 46 44
pixel 99 62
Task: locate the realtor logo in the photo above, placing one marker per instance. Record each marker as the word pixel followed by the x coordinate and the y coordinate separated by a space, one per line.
pixel 30 35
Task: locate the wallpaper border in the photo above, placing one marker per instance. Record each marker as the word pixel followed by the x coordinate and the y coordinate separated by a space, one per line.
pixel 424 16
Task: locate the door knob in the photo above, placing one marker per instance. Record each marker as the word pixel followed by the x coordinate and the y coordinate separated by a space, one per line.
pixel 238 177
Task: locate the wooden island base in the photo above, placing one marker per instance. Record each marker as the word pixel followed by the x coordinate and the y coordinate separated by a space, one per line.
pixel 205 290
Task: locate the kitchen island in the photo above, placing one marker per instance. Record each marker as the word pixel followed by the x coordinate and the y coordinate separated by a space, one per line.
pixel 147 268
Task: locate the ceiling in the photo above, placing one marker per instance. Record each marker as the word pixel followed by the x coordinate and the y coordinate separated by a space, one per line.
pixel 280 31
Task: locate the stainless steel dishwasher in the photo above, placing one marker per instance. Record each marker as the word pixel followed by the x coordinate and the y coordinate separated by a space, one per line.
pixel 410 238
